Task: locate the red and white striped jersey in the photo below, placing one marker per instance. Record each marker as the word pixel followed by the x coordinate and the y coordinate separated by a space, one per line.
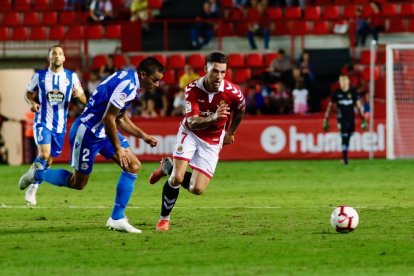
pixel 203 103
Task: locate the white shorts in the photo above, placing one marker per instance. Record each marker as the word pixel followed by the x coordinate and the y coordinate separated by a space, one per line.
pixel 202 156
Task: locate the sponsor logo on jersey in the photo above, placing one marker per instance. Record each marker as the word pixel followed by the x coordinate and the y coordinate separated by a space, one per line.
pixel 122 96
pixel 223 103
pixel 55 97
pixel 187 107
pixel 345 102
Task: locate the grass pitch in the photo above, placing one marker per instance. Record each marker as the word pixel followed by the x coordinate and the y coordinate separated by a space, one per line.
pixel 256 218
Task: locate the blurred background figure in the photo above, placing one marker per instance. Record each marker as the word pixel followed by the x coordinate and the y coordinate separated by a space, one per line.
pixel 188 76
pixel 300 98
pixel 261 25
pixel 100 11
pixel 203 31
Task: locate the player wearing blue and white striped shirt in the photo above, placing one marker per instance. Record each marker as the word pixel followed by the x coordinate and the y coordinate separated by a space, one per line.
pixel 49 93
pixel 96 131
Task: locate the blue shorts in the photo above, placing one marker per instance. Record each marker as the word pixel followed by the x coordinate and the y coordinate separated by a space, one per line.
pixel 44 136
pixel 85 146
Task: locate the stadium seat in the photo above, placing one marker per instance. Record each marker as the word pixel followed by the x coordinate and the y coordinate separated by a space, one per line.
pixel 235 60
pixel 176 61
pixel 365 57
pixel 31 19
pixel 4 33
pixel 312 12
pixel 366 73
pixel 155 4
pixel 241 28
pixel 274 13
pixel 94 32
pixel 253 14
pixel 58 5
pixel 113 31
pixel 342 2
pixel 22 5
pixel 407 9
pixel 227 29
pixel 197 61
pixel 56 33
pixel 38 33
pixel 360 2
pixel 331 12
pixel 67 18
pixel 161 58
pixel 41 5
pixel 293 12
pixel 98 61
pixel 254 60
pixel 241 76
pixel 20 34
pixel 75 32
pixel 299 27
pixel 229 75
pixel 119 61
pixel 389 9
pixel 349 11
pixel 321 27
pixel 281 28
pixel 49 18
pixel 136 59
pixel 367 10
pixel 6 5
pixel 236 15
pixel 226 4
pixel 269 57
pixel 169 77
pixel 396 25
pixel 323 2
pixel 11 19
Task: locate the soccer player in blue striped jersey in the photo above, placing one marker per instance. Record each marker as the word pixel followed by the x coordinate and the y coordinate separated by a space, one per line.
pixel 96 131
pixel 49 93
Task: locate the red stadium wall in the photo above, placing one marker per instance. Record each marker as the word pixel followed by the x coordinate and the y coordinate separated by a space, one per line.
pixel 264 138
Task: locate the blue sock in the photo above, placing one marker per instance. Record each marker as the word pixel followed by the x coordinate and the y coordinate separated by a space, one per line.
pixel 41 161
pixel 58 177
pixel 124 190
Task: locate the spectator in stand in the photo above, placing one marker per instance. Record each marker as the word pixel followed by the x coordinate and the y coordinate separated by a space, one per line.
pixel 128 64
pixel 362 28
pixel 150 110
pixel 159 98
pixel 179 104
pixel 74 4
pixel 203 30
pixel 254 100
pixel 261 25
pixel 290 3
pixel 306 66
pixel 108 68
pixel 376 20
pixel 188 76
pixel 279 69
pixel 300 98
pixel 215 7
pixel 100 11
pixel 93 81
pixel 139 11
pixel 280 99
pixel 240 4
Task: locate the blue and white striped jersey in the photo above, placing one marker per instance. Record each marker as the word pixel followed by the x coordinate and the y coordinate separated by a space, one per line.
pixel 54 93
pixel 119 89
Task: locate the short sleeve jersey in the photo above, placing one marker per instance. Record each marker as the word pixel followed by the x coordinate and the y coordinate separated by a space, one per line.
pixel 201 103
pixel 54 93
pixel 345 102
pixel 119 89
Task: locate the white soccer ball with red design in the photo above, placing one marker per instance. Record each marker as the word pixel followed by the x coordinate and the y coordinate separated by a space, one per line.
pixel 344 219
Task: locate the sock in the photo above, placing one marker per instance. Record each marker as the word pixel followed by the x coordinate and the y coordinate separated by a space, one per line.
pixel 169 197
pixel 58 177
pixel 345 145
pixel 124 190
pixel 41 161
pixel 186 180
pixel 39 181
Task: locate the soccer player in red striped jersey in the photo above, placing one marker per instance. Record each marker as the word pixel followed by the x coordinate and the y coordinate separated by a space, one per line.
pixel 214 110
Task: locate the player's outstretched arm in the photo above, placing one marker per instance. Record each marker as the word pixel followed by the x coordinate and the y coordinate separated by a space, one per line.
pixel 128 126
pixel 326 119
pixel 197 122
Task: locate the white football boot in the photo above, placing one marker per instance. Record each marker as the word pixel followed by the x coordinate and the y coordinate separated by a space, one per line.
pixel 30 195
pixel 122 225
pixel 28 178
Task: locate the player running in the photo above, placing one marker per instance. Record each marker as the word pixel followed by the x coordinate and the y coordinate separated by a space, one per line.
pixel 96 131
pixel 213 105
pixel 345 99
pixel 49 93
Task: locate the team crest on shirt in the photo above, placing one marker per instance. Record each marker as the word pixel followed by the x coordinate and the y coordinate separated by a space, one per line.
pixel 84 166
pixel 180 149
pixel 55 97
pixel 122 96
pixel 223 103
pixel 187 107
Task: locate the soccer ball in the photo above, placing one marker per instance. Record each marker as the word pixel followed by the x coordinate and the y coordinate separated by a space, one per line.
pixel 344 219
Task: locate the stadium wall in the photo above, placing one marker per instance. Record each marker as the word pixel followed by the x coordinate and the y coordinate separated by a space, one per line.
pixel 264 138
pixel 13 106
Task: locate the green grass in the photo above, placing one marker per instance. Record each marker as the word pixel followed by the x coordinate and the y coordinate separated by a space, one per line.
pixel 256 218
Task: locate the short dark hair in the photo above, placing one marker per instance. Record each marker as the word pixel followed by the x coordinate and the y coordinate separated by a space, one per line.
pixel 216 57
pixel 54 46
pixel 150 66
